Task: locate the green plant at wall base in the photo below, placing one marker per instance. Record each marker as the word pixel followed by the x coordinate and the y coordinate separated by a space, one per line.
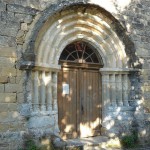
pixel 130 141
pixel 29 145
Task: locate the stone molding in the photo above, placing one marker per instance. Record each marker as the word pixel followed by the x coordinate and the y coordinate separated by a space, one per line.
pixel 118 70
pixel 29 65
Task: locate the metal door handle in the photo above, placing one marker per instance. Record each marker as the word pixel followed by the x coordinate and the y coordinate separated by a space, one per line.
pixel 82 108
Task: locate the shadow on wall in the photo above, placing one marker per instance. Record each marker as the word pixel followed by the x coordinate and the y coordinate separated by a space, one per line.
pixel 133 62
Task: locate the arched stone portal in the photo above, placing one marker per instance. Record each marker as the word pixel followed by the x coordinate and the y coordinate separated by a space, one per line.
pixel 93 25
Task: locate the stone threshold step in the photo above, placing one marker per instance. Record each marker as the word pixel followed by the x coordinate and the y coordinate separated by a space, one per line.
pixel 90 143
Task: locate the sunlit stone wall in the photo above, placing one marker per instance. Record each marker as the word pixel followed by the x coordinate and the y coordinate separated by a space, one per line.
pixel 17 23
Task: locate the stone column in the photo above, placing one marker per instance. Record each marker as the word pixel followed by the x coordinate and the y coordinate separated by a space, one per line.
pixel 125 87
pixel 36 91
pixel 55 107
pixel 105 90
pixel 113 90
pixel 49 91
pixel 42 92
pixel 119 89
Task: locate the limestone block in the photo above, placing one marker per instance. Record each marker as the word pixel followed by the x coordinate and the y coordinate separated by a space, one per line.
pixel 20 97
pixel 1 88
pixel 11 88
pixel 24 27
pixel 7 62
pixel 12 107
pixel 28 19
pixel 7 97
pixel 8 16
pixel 9 29
pixel 19 79
pixel 2 6
pixel 19 73
pixel 3 79
pixel 7 41
pixel 145 83
pixel 146 88
pixel 21 9
pixel 146 95
pixel 15 126
pixel 145 72
pixel 147 105
pixel 20 34
pixel 12 80
pixel 20 17
pixel 4 117
pixel 8 52
pixel 4 127
pixel 40 122
pixel 8 71
pixel 141 51
pixel 13 116
pixel 3 107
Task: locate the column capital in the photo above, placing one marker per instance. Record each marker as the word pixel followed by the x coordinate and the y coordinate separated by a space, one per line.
pixel 116 70
pixel 28 65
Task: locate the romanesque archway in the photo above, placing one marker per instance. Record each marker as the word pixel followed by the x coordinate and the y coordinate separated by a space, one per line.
pixel 97 27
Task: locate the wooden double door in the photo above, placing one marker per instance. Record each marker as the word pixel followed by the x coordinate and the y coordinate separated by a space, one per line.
pixel 79 102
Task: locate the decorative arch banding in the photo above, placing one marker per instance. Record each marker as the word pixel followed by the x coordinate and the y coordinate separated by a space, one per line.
pixel 87 25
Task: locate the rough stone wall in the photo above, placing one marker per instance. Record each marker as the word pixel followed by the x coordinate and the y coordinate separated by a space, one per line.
pixel 137 19
pixel 16 17
pixel 13 25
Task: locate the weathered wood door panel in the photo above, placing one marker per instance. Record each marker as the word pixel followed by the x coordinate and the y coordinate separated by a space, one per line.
pixel 67 103
pixel 90 103
pixel 79 110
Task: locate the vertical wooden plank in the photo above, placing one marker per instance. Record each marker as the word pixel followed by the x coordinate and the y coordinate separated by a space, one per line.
pixel 60 100
pixel 94 100
pixel 79 80
pixel 64 104
pixel 90 97
pixel 70 101
pixel 85 99
pixel 74 102
pixel 97 102
pixel 100 97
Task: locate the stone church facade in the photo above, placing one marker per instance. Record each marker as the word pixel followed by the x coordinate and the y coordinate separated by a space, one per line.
pixel 35 36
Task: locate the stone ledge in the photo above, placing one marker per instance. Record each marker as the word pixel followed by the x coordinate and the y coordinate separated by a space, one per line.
pixel 121 108
pixel 27 65
pixel 40 122
pixel 118 70
pixel 41 113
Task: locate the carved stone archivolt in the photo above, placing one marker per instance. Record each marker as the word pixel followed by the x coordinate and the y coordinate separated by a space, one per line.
pixel 79 23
